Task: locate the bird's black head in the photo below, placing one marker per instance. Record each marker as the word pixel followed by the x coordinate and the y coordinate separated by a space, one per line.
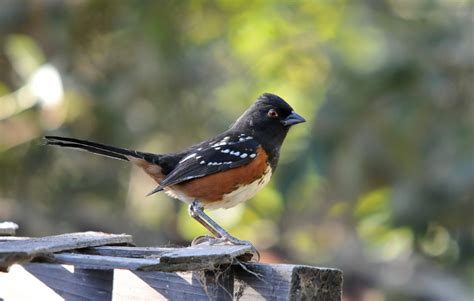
pixel 268 120
pixel 269 112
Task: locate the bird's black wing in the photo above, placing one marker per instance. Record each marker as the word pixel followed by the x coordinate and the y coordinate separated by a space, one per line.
pixel 214 156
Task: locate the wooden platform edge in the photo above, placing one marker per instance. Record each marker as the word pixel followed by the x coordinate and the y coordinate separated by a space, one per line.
pixel 152 259
pixel 295 282
pixel 96 265
pixel 251 281
pixel 18 251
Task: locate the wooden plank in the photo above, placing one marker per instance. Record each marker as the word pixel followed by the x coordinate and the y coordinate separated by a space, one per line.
pixel 197 286
pixel 157 259
pixel 57 282
pixel 68 283
pixel 8 228
pixel 202 255
pixel 131 252
pixel 287 282
pixel 220 254
pixel 25 250
pixel 274 282
pixel 100 262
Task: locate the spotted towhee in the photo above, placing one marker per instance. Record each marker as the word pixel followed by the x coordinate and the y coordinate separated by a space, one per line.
pixel 220 172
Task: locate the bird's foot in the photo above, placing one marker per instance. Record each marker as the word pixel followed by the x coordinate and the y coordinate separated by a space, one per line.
pixel 215 241
pixel 203 240
pixel 211 240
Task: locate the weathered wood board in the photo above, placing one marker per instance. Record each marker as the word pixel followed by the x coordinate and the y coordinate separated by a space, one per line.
pixel 153 259
pixel 25 250
pixel 287 282
pixel 274 282
pixel 131 252
pixel 82 266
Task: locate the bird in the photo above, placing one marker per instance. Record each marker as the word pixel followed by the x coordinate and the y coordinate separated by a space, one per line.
pixel 220 172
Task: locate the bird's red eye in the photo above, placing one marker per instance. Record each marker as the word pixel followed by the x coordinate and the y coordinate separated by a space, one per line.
pixel 272 113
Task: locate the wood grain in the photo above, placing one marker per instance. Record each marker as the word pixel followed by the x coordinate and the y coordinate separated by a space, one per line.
pixel 287 282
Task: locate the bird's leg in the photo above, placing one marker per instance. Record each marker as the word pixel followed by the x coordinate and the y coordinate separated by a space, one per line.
pixel 196 211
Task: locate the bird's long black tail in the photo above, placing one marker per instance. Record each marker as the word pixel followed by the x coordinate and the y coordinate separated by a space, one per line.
pixel 100 149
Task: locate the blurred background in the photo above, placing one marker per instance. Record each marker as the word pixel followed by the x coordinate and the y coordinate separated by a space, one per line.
pixel 379 182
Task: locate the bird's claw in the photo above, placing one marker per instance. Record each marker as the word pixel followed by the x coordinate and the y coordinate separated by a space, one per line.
pixel 202 240
pixel 215 241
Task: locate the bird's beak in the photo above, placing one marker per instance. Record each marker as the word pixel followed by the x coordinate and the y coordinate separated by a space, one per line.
pixel 292 119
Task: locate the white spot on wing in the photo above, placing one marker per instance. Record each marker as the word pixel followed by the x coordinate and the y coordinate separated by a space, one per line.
pixel 244 155
pixel 252 155
pixel 219 144
pixel 188 157
pixel 222 142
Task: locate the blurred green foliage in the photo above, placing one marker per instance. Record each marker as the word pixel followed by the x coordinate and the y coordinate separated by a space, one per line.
pixel 379 182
